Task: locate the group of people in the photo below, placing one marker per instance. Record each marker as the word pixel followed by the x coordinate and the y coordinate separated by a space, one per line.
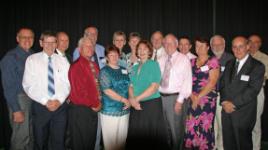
pixel 160 95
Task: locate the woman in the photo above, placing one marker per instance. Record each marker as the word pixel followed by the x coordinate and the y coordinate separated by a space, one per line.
pixel 132 58
pixel 114 82
pixel 146 125
pixel 119 41
pixel 200 116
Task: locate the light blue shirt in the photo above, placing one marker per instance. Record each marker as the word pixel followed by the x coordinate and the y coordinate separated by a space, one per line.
pixel 99 49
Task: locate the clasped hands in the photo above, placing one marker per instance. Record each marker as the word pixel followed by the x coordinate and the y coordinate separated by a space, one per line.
pixel 53 105
pixel 135 102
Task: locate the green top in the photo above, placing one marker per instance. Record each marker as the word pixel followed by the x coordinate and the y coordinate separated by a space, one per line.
pixel 149 73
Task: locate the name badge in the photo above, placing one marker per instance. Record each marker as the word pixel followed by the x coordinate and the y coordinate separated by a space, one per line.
pixel 204 68
pixel 244 78
pixel 222 68
pixel 124 71
pixel 103 60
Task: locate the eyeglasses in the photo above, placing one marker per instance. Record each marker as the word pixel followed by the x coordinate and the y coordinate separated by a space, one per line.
pixel 49 42
pixel 26 37
pixel 238 47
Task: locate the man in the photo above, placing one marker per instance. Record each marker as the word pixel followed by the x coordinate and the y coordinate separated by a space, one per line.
pixel 255 43
pixel 185 47
pixel 240 84
pixel 63 45
pixel 176 85
pixel 217 44
pixel 45 81
pixel 98 56
pixel 157 41
pixel 85 98
pixel 12 68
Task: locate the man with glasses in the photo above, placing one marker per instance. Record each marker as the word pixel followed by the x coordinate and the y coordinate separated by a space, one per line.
pixel 240 84
pixel 12 68
pixel 45 81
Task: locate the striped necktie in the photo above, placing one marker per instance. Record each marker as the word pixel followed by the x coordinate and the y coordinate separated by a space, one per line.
pixel 51 88
pixel 166 74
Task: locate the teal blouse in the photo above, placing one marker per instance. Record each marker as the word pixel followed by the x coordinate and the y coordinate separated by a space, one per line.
pixel 118 81
pixel 149 73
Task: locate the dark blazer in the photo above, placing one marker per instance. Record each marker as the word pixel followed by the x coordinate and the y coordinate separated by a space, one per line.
pixel 242 91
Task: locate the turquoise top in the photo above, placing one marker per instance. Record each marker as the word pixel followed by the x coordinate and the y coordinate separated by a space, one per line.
pixel 149 73
pixel 118 81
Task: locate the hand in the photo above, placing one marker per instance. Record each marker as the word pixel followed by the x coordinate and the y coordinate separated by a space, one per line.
pixel 18 117
pixel 96 109
pixel 195 100
pixel 178 107
pixel 53 105
pixel 126 103
pixel 228 107
pixel 134 103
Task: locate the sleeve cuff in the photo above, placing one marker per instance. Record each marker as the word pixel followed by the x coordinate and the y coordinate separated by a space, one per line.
pixel 180 99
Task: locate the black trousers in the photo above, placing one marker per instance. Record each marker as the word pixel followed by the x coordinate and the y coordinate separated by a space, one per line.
pixel 48 127
pixel 82 126
pixel 236 136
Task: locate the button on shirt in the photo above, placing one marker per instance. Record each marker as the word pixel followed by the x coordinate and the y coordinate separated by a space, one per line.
pixel 180 80
pixel 35 81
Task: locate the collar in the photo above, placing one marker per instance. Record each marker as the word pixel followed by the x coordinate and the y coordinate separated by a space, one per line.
pixel 243 60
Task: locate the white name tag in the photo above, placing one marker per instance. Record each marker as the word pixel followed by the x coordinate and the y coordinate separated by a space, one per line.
pixel 244 78
pixel 204 68
pixel 222 68
pixel 103 60
pixel 124 71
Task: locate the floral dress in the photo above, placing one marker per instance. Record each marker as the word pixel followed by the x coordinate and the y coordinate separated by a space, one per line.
pixel 199 131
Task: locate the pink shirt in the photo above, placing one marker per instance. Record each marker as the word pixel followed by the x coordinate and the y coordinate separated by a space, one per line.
pixel 180 79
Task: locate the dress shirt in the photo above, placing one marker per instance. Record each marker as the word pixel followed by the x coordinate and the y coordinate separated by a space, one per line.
pixel 83 84
pixel 35 79
pixel 12 69
pixel 158 53
pixel 61 54
pixel 180 79
pixel 190 55
pixel 242 62
pixel 99 50
pixel 262 57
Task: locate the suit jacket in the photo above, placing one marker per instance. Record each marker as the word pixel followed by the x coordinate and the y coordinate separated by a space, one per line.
pixel 242 90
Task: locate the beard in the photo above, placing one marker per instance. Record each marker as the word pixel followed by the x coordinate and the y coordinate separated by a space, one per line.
pixel 218 53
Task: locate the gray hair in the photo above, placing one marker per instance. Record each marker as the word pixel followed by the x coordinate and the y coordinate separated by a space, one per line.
pixel 217 36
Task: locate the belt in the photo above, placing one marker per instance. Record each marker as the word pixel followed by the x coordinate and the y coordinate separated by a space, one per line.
pixel 169 94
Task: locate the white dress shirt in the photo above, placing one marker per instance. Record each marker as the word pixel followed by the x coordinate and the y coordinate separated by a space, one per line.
pixel 35 78
pixel 180 79
pixel 242 62
pixel 62 55
pixel 158 53
pixel 190 55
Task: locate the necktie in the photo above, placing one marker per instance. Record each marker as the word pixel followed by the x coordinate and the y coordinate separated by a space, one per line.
pixel 235 71
pixel 51 88
pixel 166 74
pixel 155 55
pixel 96 58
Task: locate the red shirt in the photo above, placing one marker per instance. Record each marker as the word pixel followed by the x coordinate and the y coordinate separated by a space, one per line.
pixel 83 85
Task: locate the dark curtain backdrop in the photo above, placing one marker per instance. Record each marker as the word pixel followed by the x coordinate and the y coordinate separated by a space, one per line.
pixel 181 17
